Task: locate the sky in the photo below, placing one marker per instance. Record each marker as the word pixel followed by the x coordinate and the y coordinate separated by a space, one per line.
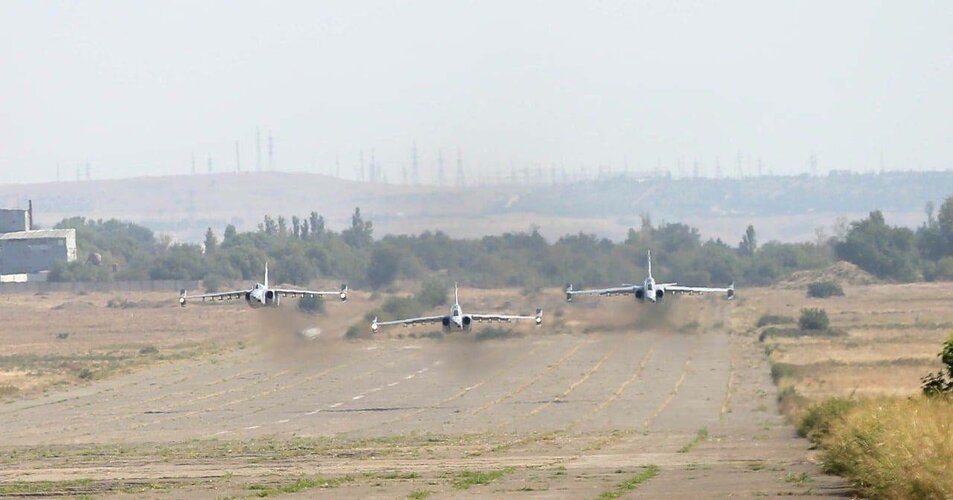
pixel 143 88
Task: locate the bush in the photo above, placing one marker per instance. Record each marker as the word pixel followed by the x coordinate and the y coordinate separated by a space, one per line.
pixel 824 289
pixel 433 293
pixel 941 382
pixel 813 319
pixel 149 349
pixel 311 305
pixel 774 319
pixel 355 332
pixel 815 424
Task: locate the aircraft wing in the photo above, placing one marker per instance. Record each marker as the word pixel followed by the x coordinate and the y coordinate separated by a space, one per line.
pixel 287 292
pixel 618 290
pixel 237 294
pixel 407 322
pixel 691 290
pixel 504 318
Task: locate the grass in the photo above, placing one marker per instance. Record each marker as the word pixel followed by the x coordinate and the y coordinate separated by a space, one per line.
pixel 36 488
pixel 298 486
pixel 469 479
pixel 630 484
pixel 700 436
pixel 419 494
pixel 893 447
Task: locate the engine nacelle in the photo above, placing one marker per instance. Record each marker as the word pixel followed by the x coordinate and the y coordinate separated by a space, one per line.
pixel 640 294
pixel 467 321
pixel 659 293
pixel 272 299
pixel 446 322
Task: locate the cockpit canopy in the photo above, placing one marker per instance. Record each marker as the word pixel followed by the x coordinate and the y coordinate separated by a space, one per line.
pixel 455 310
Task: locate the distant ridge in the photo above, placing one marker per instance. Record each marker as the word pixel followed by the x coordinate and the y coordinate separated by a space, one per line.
pixel 788 208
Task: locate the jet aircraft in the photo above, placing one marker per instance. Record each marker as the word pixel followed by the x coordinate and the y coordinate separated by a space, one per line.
pixel 649 289
pixel 261 295
pixel 457 320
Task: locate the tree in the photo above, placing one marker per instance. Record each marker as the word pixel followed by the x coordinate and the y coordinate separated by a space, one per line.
pixel 888 252
pixel 211 242
pixel 359 234
pixel 749 242
pixel 317 225
pixel 304 230
pixel 296 226
pixel 385 263
pixel 282 227
pixel 229 234
pixel 268 226
pixel 813 319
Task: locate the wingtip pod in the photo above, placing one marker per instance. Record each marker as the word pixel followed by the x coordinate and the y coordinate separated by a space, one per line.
pixel 183 297
pixel 343 292
pixel 569 292
pixel 731 291
pixel 539 316
pixel 374 325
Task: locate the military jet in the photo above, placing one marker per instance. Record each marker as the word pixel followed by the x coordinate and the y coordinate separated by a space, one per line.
pixel 649 289
pixel 261 295
pixel 457 320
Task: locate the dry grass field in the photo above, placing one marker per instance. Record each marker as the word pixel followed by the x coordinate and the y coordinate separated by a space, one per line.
pixel 143 398
pixel 890 338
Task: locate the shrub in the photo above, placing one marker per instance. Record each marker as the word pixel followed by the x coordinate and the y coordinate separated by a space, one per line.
pixel 813 319
pixel 311 305
pixel 815 424
pixel 773 319
pixel 355 332
pixel 824 289
pixel 938 383
pixel 149 349
pixel 433 293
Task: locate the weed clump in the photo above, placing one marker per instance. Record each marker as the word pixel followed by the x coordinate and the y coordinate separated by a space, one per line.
pixel 824 289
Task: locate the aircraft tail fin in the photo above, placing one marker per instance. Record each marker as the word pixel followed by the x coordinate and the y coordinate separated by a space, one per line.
pixel 456 294
pixel 266 274
pixel 649 261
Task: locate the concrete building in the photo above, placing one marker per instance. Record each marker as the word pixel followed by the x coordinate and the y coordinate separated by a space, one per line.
pixel 31 252
pixel 26 252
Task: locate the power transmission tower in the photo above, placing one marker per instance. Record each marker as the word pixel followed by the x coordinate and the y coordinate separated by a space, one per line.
pixel 415 171
pixel 258 149
pixel 441 174
pixel 461 179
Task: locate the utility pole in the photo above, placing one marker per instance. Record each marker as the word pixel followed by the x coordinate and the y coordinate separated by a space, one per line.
pixel 238 159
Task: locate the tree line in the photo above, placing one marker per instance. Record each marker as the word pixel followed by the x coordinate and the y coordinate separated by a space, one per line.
pixel 301 249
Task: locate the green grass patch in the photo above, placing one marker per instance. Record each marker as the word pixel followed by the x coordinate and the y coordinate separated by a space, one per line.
pixel 700 436
pixel 297 486
pixel 36 488
pixel 468 479
pixel 630 484
pixel 419 494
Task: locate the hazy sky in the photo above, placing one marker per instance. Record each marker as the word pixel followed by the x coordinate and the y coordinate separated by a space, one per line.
pixel 137 88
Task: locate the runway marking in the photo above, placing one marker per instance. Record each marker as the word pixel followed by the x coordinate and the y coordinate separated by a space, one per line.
pixel 532 381
pixel 589 373
pixel 375 389
pixel 408 377
pixel 618 392
pixel 252 427
pixel 335 405
pixel 671 396
pixel 392 384
pixel 465 390
pixel 359 396
pixel 313 412
pixel 283 421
